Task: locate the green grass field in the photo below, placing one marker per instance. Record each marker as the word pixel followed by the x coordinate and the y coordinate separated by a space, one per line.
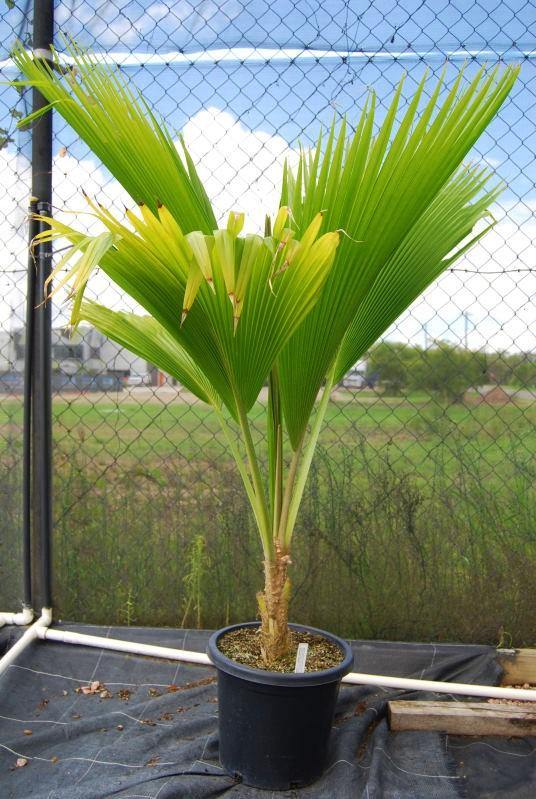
pixel 418 520
pixel 412 428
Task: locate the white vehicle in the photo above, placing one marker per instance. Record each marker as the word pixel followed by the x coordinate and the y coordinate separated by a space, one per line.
pixel 136 380
pixel 354 380
pixel 356 377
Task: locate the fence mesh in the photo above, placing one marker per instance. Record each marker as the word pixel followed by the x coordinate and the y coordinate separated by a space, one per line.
pixel 419 517
pixel 15 171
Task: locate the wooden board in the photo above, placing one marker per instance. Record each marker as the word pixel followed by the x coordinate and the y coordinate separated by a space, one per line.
pixel 519 666
pixel 464 718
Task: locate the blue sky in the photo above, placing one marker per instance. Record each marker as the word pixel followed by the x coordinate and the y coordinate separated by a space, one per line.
pixel 322 24
pixel 293 99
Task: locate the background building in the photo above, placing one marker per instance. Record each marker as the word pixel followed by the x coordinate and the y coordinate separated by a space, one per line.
pixel 85 359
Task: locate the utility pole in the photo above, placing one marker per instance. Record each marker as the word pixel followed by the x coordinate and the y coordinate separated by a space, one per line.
pixel 466 319
pixel 11 347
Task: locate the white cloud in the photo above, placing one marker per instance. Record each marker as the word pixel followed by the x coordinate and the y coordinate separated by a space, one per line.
pixel 123 25
pixel 497 291
pixel 15 171
pixel 240 168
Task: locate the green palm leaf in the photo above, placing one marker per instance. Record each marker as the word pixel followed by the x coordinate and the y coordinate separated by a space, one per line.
pixel 389 194
pixel 425 252
pixel 145 337
pixel 118 125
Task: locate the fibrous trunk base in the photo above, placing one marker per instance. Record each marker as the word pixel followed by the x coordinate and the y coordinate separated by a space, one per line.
pixel 273 607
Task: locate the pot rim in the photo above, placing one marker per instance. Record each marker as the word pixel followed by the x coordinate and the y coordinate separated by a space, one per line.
pixel 284 679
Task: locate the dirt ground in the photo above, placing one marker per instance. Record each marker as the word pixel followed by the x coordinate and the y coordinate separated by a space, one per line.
pixel 167 394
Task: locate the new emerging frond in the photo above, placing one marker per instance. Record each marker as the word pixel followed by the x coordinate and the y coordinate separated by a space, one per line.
pixel 230 301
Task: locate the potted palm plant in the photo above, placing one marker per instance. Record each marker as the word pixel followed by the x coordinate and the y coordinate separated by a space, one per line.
pixel 366 222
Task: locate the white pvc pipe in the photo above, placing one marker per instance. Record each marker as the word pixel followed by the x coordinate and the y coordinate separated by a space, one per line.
pixel 123 646
pixel 255 54
pixel 26 638
pixel 463 689
pixel 354 678
pixel 22 618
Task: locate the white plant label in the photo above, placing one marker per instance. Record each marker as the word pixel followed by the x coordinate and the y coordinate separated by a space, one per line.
pixel 301 657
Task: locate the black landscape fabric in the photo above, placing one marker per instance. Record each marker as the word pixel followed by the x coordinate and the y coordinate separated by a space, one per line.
pixel 147 729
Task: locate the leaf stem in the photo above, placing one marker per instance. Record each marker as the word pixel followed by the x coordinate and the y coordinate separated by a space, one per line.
pixel 236 455
pixel 275 450
pixel 259 506
pixel 300 478
pixel 291 477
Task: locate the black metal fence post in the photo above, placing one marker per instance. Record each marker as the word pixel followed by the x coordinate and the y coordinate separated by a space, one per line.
pixel 27 414
pixel 43 33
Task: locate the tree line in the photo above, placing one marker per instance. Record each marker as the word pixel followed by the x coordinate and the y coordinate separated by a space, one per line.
pixel 446 369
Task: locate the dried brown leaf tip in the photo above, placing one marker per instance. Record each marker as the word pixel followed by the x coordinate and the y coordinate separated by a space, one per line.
pixel 21 762
pixel 171 689
pixel 27 732
pixel 93 688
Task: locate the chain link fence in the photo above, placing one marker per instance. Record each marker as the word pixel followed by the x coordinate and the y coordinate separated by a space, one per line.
pixel 419 519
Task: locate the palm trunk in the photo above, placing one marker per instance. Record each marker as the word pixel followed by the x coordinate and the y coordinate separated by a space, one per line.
pixel 273 607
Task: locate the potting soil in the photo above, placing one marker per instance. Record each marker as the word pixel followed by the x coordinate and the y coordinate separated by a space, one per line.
pixel 84 723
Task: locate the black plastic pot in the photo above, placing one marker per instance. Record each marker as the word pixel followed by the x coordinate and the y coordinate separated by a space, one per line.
pixel 274 728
